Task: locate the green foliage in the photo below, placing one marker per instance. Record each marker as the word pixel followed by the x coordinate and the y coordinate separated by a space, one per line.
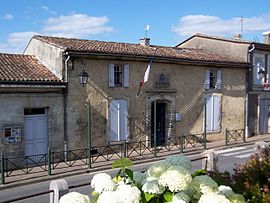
pixel 95 196
pixel 199 173
pixel 253 178
pixel 168 196
pixel 122 163
pixel 221 178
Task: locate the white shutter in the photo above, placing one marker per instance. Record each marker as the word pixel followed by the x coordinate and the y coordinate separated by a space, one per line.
pixel 114 120
pixel 123 120
pixel 216 113
pixel 126 75
pixel 218 82
pixel 111 75
pixel 209 112
pixel 207 80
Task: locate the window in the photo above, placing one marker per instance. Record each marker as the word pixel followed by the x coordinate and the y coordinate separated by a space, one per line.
pixel 118 75
pixel 258 64
pixel 213 109
pixel 212 80
pixel 118 120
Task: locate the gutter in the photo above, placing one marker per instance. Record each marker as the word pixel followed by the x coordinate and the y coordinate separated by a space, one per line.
pixel 127 57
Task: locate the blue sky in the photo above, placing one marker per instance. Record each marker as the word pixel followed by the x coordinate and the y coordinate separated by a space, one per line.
pixel 170 21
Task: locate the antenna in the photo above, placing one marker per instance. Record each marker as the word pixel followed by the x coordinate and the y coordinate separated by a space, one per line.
pixel 242 25
pixel 147 27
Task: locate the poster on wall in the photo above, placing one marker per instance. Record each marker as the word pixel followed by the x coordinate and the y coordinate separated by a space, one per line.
pixel 13 134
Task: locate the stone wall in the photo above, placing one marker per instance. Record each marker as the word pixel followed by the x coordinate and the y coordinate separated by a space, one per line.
pixel 12 107
pixel 185 95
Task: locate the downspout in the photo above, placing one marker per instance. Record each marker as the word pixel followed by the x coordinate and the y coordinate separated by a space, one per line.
pixel 65 106
pixel 246 112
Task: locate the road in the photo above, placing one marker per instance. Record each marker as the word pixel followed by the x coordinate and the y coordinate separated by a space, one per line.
pixel 227 160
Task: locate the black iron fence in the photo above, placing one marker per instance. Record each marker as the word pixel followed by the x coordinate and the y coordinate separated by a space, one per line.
pixel 58 161
pixel 232 136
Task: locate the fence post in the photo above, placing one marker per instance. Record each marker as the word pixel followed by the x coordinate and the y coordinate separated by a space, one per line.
pixel 125 148
pixel 181 142
pixel 49 162
pixel 244 136
pixel 226 137
pixel 2 169
pixel 155 129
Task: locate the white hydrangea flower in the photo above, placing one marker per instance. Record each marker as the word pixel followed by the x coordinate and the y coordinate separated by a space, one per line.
pixel 202 185
pixel 225 190
pixel 147 179
pixel 153 187
pixel 74 197
pixel 179 160
pixel 236 198
pixel 138 177
pixel 213 197
pixel 181 197
pixel 176 178
pixel 128 194
pixel 230 195
pixel 157 169
pixel 102 182
pixel 109 196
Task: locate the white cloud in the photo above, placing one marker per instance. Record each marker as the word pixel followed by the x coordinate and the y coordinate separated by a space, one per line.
pixel 8 17
pixel 74 25
pixel 77 25
pixel 214 25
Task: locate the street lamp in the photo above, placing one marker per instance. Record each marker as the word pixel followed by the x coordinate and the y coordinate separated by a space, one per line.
pixel 83 75
pixel 83 78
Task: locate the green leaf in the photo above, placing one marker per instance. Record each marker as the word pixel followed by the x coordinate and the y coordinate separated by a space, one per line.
pixel 168 196
pixel 95 196
pixel 129 173
pixel 198 173
pixel 122 163
pixel 148 196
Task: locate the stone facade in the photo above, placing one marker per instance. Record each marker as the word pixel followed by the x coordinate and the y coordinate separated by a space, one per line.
pixel 12 108
pixel 257 117
pixel 182 94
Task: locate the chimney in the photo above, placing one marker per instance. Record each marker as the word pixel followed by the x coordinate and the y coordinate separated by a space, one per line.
pixel 266 37
pixel 145 41
pixel 237 37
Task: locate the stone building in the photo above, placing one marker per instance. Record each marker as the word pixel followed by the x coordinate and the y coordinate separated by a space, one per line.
pixel 182 82
pixel 258 55
pixel 31 106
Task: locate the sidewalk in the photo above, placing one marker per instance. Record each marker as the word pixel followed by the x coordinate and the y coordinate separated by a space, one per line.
pixel 36 176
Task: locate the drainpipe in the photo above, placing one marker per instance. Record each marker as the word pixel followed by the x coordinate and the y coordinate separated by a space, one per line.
pixel 65 106
pixel 249 55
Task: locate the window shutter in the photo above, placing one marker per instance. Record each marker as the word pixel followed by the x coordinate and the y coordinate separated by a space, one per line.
pixel 114 122
pixel 111 75
pixel 216 113
pixel 123 120
pixel 218 82
pixel 207 80
pixel 126 75
pixel 209 107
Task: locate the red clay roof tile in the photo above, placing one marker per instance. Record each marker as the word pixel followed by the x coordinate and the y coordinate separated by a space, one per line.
pixel 24 68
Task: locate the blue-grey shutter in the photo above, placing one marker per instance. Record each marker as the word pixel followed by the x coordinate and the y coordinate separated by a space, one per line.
pixel 209 113
pixel 218 82
pixel 126 75
pixel 114 120
pixel 207 80
pixel 111 75
pixel 123 120
pixel 216 113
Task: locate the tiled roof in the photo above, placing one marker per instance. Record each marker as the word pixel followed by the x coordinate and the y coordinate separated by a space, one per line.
pixel 127 49
pixel 24 68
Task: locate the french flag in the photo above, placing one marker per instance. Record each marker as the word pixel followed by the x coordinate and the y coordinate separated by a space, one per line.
pixel 147 73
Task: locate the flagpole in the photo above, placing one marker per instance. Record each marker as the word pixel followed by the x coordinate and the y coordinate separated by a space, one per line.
pixel 146 74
